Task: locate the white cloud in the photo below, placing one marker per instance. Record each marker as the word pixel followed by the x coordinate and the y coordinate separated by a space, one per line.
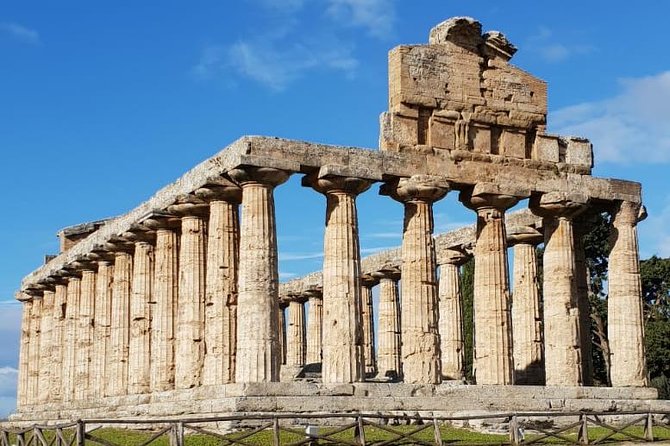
pixel 20 33
pixel 629 127
pixel 7 406
pixel 287 276
pixel 377 16
pixel 548 48
pixel 654 233
pixel 8 380
pixel 289 256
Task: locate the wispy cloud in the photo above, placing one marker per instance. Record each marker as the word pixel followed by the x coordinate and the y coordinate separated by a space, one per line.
pixel 547 46
pixel 291 256
pixel 654 232
pixel 287 276
pixel 629 127
pixel 20 33
pixel 8 382
pixel 389 235
pixel 376 16
pixel 368 251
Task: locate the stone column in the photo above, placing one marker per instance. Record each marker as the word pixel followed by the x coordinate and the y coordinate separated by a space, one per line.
pixel 562 346
pixel 84 336
pixel 625 323
pixel 526 313
pixel 388 330
pixel 493 362
pixel 24 351
pixel 452 342
pixel 100 374
pixel 46 360
pixel 223 234
pixel 283 335
pixel 314 324
pixel 342 340
pixel 370 359
pixel 58 339
pixel 582 281
pixel 139 347
pixel 72 306
pixel 190 310
pixel 295 333
pixel 258 357
pixel 164 301
pixel 117 361
pixel 419 311
pixel 34 351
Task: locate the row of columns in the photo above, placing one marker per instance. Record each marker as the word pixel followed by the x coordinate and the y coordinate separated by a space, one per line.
pixel 190 297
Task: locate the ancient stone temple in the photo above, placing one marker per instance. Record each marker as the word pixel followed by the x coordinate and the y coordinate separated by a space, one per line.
pixel 175 307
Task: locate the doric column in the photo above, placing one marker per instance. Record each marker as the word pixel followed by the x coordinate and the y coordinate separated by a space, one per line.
pixel 117 361
pixel 493 362
pixel 295 332
pixel 103 323
pixel 582 281
pixel 562 339
pixel 258 357
pixel 625 324
pixel 223 235
pixel 419 311
pixel 388 329
pixel 164 301
pixel 34 351
pixel 58 338
pixel 314 325
pixel 190 310
pixel 370 359
pixel 24 351
pixel 342 338
pixel 70 343
pixel 452 342
pixel 139 347
pixel 526 314
pixel 46 361
pixel 283 335
pixel 84 335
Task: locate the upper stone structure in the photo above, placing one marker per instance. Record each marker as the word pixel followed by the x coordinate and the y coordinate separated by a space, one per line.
pixel 459 93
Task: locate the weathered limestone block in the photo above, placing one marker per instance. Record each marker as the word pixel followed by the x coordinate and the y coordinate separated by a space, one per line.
pixel 117 361
pixel 190 310
pixel 295 333
pixel 102 332
pixel 258 356
pixel 32 391
pixel 419 310
pixel 625 324
pixel 223 234
pixel 526 312
pixel 452 342
pixel 139 347
pixel 370 362
pixel 493 361
pixel 342 340
pixel 58 339
pixel 84 336
pixel 389 365
pixel 562 339
pixel 314 325
pixel 24 352
pixel 46 361
pixel 72 307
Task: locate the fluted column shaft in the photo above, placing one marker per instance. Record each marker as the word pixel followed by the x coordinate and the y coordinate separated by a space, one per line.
pixel 189 346
pixel 368 329
pixel 452 342
pixel 342 337
pixel 46 361
pixel 295 334
pixel 58 339
pixel 84 336
pixel 283 335
pixel 164 313
pixel 625 324
pixel 388 341
pixel 24 352
pixel 139 347
pixel 70 345
pixel 34 352
pixel 314 326
pixel 221 295
pixel 526 316
pixel 258 357
pixel 100 374
pixel 117 362
pixel 493 358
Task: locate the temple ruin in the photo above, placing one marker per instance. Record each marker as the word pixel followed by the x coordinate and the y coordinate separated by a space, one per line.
pixel 175 307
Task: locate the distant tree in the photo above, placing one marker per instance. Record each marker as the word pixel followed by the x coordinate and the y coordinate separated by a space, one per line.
pixel 467 293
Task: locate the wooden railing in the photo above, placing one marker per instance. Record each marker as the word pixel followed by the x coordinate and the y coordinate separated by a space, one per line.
pixel 578 428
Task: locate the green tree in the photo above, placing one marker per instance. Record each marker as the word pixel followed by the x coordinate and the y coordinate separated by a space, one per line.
pixel 467 293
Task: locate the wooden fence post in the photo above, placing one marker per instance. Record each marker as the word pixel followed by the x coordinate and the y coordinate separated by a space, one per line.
pixel 437 433
pixel 649 427
pixel 81 433
pixel 276 439
pixel 359 432
pixel 583 429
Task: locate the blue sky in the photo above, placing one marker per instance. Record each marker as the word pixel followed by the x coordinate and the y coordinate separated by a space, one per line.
pixel 102 103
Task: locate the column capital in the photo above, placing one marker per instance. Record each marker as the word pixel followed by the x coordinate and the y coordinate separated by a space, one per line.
pixel 189 206
pixel 558 205
pixel 451 256
pixel 332 184
pixel 156 221
pixel 267 176
pixel 313 293
pixel 100 255
pixel 524 235
pixel 293 297
pixel 220 189
pixel 628 213
pixel 426 188
pixel 368 281
pixel 388 272
pixel 489 196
